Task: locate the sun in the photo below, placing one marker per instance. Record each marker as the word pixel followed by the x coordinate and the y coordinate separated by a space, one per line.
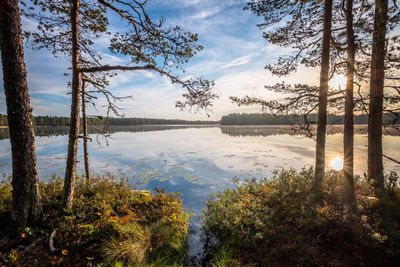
pixel 337 164
pixel 337 81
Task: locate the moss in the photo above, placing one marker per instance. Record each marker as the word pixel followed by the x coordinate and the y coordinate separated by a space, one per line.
pixel 275 222
pixel 110 223
pixel 5 202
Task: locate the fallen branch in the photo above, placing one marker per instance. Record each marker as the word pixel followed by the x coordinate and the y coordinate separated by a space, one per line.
pixel 51 241
pixel 85 137
pixel 392 159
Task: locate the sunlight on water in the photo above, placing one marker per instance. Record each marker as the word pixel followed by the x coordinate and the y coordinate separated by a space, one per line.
pixel 337 164
pixel 195 161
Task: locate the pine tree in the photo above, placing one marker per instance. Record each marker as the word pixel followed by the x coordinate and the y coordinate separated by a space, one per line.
pixel 71 27
pixel 25 195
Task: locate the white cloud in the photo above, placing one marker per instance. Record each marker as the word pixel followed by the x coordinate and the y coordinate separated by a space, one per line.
pixel 146 73
pixel 109 59
pixel 54 109
pixel 28 24
pixel 234 55
pixel 240 61
pixel 203 14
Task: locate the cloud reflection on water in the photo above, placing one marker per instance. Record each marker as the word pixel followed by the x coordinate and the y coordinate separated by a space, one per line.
pixel 195 161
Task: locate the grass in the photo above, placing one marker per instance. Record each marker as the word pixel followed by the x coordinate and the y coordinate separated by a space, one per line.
pixel 274 222
pixel 110 224
pixel 267 222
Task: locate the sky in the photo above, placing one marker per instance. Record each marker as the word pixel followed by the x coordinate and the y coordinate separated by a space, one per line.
pixel 234 56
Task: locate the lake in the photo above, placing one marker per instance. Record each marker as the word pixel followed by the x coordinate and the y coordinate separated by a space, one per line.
pixel 195 160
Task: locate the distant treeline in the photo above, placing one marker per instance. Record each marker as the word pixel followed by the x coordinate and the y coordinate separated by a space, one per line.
pixel 64 130
pixel 64 121
pixel 265 119
pixel 231 119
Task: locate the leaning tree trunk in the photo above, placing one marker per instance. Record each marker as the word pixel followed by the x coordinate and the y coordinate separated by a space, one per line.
pixel 375 161
pixel 348 139
pixel 323 99
pixel 25 195
pixel 70 171
pixel 85 133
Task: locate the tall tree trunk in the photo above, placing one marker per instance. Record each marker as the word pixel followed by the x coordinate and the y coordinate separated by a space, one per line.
pixel 323 98
pixel 25 195
pixel 375 161
pixel 348 139
pixel 70 171
pixel 85 133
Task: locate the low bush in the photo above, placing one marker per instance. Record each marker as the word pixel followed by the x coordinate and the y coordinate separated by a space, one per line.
pixel 274 222
pixel 110 224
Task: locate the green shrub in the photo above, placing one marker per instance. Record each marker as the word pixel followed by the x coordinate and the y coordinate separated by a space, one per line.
pixel 5 202
pixel 275 222
pixel 110 224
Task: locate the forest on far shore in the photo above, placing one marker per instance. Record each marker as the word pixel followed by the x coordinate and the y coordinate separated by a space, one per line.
pixel 231 119
pixel 266 119
pixel 99 120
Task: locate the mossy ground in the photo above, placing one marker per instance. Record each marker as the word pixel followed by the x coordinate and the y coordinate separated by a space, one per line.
pixel 110 224
pixel 268 222
pixel 274 222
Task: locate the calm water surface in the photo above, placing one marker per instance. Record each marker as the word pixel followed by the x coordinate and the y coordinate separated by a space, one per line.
pixel 195 161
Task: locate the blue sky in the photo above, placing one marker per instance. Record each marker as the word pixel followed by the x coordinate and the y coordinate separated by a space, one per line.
pixel 234 55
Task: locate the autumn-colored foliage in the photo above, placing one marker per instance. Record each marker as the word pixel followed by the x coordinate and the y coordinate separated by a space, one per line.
pixel 110 223
pixel 275 222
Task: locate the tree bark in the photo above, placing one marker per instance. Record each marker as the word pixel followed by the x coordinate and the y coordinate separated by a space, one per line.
pixel 85 133
pixel 348 137
pixel 322 107
pixel 25 195
pixel 70 169
pixel 375 160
